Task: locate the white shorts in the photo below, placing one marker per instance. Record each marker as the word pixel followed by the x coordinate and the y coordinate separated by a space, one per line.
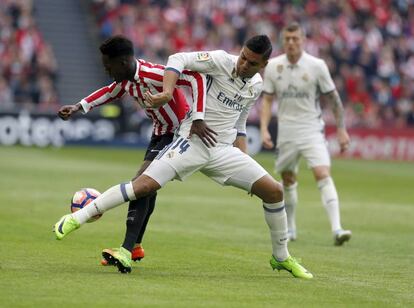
pixel 224 164
pixel 315 153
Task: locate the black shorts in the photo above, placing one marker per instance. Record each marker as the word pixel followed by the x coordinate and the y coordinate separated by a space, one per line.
pixel 156 144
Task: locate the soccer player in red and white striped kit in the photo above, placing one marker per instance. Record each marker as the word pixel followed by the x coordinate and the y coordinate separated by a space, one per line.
pixel 136 77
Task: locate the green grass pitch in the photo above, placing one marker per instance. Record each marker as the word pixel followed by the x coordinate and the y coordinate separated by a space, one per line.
pixel 206 245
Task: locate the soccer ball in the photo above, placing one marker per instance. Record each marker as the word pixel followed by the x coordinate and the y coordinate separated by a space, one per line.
pixel 82 198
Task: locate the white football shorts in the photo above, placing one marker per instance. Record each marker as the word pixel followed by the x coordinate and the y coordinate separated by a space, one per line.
pixel 224 164
pixel 289 153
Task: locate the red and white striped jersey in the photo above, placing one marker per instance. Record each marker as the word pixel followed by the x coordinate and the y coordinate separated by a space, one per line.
pixel 148 77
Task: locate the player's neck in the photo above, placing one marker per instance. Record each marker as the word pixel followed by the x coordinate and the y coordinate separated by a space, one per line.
pixel 133 70
pixel 293 59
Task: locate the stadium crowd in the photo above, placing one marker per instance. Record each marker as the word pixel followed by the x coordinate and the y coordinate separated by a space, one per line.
pixel 28 68
pixel 368 44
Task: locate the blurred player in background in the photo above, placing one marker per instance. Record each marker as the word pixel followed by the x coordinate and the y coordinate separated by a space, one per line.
pixel 233 86
pixel 135 77
pixel 297 79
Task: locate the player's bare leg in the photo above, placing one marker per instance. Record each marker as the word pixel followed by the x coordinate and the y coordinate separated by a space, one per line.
pixel 330 201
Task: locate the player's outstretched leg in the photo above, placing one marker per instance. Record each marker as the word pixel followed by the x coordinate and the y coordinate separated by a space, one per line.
pixel 111 198
pixel 65 225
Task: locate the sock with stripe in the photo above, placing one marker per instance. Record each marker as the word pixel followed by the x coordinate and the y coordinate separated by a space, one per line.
pixel 109 199
pixel 330 202
pixel 275 216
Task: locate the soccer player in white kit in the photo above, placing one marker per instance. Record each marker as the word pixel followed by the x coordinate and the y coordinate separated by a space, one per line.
pixel 233 85
pixel 297 79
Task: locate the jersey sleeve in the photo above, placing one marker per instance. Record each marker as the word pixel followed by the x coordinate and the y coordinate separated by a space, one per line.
pixel 203 61
pixel 103 96
pixel 242 120
pixel 268 84
pixel 196 82
pixel 325 81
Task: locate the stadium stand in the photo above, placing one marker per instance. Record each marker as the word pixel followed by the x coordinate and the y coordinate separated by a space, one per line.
pixel 367 44
pixel 28 69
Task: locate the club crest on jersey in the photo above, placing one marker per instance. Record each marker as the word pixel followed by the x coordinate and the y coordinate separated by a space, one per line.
pixel 305 77
pixel 279 68
pixel 251 92
pixel 203 56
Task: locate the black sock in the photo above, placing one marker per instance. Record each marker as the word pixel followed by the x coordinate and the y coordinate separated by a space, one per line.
pixel 137 217
pixel 151 205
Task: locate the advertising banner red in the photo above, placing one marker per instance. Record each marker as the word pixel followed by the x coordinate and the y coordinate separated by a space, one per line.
pixel 380 144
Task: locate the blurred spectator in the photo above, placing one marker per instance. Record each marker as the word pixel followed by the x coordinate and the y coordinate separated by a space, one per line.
pixel 28 66
pixel 368 45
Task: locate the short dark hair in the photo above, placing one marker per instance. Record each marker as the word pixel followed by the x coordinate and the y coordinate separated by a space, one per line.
pixel 293 27
pixel 117 46
pixel 260 44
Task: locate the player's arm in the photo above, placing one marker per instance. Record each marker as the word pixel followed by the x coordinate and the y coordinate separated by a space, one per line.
pixel 337 107
pixel 183 69
pixel 265 117
pixel 269 90
pixel 97 98
pixel 327 87
pixel 66 111
pixel 241 139
pixel 176 73
pixel 170 79
pixel 241 143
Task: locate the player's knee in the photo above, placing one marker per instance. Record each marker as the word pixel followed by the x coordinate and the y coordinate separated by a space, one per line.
pixel 274 193
pixel 321 172
pixel 288 178
pixel 144 186
pixel 277 192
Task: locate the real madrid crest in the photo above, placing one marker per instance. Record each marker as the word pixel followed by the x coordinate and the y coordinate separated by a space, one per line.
pixel 279 68
pixel 305 77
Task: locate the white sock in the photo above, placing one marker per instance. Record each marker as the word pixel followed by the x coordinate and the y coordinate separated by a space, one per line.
pixel 109 199
pixel 275 216
pixel 291 200
pixel 330 202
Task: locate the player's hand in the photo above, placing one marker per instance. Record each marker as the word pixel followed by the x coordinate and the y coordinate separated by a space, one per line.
pixel 206 134
pixel 267 140
pixel 66 111
pixel 343 139
pixel 156 100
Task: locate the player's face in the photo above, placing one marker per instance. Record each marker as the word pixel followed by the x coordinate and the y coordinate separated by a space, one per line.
pixel 249 63
pixel 293 42
pixel 115 68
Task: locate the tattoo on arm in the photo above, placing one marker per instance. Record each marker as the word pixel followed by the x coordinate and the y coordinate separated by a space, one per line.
pixel 337 108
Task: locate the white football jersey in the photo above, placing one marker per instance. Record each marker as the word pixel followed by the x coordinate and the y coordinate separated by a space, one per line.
pixel 297 88
pixel 229 97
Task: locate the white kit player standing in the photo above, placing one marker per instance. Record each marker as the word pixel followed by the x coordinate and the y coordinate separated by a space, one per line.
pixel 233 85
pixel 298 79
